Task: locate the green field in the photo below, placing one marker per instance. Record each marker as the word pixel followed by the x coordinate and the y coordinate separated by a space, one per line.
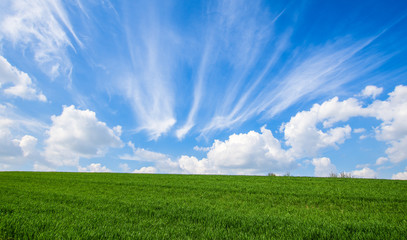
pixel 37 205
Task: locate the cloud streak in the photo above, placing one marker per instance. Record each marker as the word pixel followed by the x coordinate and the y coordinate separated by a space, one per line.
pixel 40 26
pixel 149 83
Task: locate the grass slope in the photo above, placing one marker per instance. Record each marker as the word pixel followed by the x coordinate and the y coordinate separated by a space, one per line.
pixel 37 205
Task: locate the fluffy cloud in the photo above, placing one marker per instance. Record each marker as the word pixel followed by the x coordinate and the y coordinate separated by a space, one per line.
pixel 393 129
pixel 245 153
pixel 145 170
pixel 303 136
pixel 323 167
pixel 9 146
pixel 27 145
pixel 371 91
pixel 364 173
pixel 254 152
pixel 39 25
pixel 78 133
pixel 17 83
pixel 400 176
pixel 94 167
pixel 14 150
pixel 17 147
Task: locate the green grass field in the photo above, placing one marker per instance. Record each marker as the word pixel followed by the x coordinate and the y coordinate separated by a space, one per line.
pixel 37 205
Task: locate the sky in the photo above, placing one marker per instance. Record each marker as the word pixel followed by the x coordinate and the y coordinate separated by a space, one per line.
pixel 306 88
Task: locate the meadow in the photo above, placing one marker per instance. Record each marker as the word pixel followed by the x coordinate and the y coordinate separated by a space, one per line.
pixel 35 205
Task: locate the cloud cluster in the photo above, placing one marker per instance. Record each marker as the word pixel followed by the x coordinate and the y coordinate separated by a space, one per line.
pixel 17 83
pixel 78 133
pixel 400 175
pixel 15 148
pixel 305 135
pixel 393 129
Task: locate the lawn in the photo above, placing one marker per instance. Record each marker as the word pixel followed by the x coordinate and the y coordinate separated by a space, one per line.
pixel 36 205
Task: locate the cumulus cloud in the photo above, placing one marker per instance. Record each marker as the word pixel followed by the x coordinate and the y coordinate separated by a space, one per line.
pixel 400 176
pixel 78 133
pixel 39 25
pixel 393 129
pixel 371 91
pixel 14 149
pixel 303 136
pixel 27 144
pixel 245 153
pixel 252 152
pixel 323 167
pixel 9 146
pixel 18 146
pixel 364 173
pixel 145 170
pixel 17 83
pixel 94 167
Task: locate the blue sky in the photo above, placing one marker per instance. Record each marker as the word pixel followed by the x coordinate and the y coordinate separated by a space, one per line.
pixel 204 87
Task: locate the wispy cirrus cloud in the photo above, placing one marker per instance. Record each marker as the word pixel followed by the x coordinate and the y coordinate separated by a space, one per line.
pixel 313 73
pixel 149 85
pixel 234 36
pixel 42 27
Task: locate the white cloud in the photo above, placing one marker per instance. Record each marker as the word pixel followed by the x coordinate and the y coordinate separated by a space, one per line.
pixel 27 145
pixel 364 173
pixel 193 166
pixel 393 129
pixel 400 176
pixel 359 130
pixel 140 154
pixel 371 91
pixel 255 153
pixel 145 170
pixel 302 134
pixel 9 146
pixel 124 167
pixel 94 167
pixel 17 83
pixel 381 160
pixel 17 145
pixel 202 149
pixel 245 153
pixel 315 72
pixel 78 133
pixel 39 25
pixel 14 150
pixel 363 165
pixel 42 168
pixel 323 167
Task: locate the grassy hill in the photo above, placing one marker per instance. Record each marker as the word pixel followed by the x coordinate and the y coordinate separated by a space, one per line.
pixel 37 205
